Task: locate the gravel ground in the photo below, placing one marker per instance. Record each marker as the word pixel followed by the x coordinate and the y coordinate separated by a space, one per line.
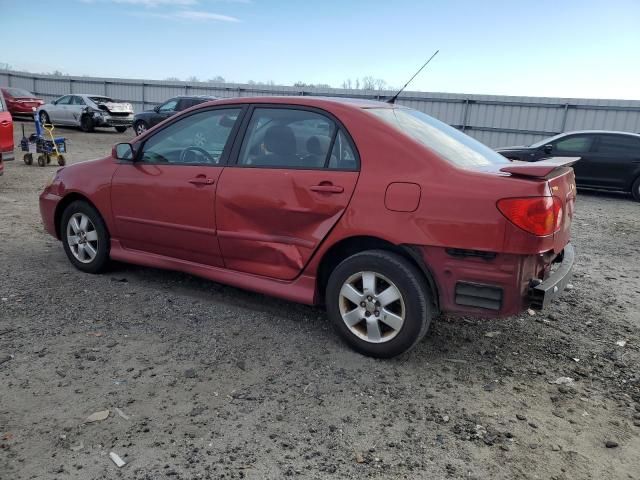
pixel 208 381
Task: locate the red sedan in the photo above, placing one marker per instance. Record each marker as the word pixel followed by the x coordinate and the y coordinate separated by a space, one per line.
pixel 20 101
pixel 382 213
pixel 6 136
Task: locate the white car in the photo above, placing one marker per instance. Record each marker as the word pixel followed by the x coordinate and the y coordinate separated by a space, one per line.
pixel 87 112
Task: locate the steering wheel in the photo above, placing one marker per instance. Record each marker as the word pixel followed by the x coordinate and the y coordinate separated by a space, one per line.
pixel 199 150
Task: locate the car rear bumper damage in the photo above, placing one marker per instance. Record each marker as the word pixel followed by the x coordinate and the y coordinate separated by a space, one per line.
pixel 543 292
pixel 497 284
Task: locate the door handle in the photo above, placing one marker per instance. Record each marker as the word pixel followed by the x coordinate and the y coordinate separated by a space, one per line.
pixel 202 181
pixel 327 188
pixel 5 123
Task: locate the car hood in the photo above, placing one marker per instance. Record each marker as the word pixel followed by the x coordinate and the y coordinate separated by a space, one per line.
pixel 511 149
pixel 119 107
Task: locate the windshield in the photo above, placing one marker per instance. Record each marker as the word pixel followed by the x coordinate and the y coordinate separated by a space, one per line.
pixel 19 92
pixel 451 144
pixel 546 141
pixel 102 100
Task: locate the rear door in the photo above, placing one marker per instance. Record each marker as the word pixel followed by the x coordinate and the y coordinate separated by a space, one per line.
pixel 615 161
pixel 294 175
pixel 164 201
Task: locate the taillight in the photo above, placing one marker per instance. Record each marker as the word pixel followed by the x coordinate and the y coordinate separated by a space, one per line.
pixel 540 216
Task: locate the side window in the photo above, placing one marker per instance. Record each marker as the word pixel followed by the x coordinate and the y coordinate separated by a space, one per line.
pixel 576 144
pixel 76 100
pixel 66 100
pixel 618 145
pixel 342 155
pixel 198 139
pixel 169 106
pixel 287 138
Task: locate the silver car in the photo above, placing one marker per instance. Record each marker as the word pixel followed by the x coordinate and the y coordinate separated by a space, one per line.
pixel 87 112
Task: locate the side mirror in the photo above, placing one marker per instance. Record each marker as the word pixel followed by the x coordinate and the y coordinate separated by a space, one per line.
pixel 156 108
pixel 548 148
pixel 122 151
pixel 54 102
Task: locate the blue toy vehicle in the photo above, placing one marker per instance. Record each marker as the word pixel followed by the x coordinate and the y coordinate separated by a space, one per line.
pixel 47 148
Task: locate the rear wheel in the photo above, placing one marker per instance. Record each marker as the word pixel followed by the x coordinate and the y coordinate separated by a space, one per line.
pixel 28 158
pixel 61 160
pixel 635 189
pixel 42 160
pixel 379 302
pixel 85 237
pixel 121 129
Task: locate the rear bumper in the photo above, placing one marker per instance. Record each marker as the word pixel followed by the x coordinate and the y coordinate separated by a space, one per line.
pixel 542 293
pixel 48 204
pixel 495 284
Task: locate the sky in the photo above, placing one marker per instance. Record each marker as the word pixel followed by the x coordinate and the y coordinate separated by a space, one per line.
pixel 561 48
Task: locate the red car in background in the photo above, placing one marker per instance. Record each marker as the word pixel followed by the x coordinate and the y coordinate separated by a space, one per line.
pixel 20 101
pixel 6 136
pixel 381 212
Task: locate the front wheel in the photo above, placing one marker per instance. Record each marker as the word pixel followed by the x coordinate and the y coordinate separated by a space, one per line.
pixel 28 158
pixel 379 302
pixel 44 118
pixel 121 129
pixel 85 237
pixel 140 127
pixel 86 124
pixel 635 190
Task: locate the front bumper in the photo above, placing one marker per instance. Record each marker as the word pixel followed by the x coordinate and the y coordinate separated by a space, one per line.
pixel 541 293
pixel 48 204
pixel 113 120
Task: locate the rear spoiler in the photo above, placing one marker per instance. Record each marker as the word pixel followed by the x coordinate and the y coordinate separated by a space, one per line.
pixel 539 169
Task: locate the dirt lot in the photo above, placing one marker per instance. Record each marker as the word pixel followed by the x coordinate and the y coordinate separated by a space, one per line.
pixel 216 382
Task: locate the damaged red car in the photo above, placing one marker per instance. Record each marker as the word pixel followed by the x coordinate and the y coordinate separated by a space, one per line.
pixel 380 212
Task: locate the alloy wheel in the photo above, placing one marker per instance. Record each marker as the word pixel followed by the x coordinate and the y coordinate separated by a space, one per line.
pixel 141 128
pixel 372 307
pixel 82 238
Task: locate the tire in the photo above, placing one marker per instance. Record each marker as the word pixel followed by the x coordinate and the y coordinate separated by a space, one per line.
pixel 44 118
pixel 635 190
pixel 86 124
pixel 61 160
pixel 140 127
pixel 121 129
pixel 390 271
pixel 42 160
pixel 91 254
pixel 28 158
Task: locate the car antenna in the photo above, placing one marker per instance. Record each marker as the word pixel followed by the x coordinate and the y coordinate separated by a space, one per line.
pixel 392 100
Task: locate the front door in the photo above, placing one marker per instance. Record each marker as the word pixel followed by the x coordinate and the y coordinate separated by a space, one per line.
pixel 579 145
pixel 294 175
pixel 164 201
pixel 165 111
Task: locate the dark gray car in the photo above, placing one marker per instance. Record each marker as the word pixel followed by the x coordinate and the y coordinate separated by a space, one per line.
pixel 145 120
pixel 608 160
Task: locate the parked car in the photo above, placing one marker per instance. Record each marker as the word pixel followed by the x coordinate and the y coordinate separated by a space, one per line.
pixel 609 160
pixel 147 119
pixel 87 112
pixel 20 101
pixel 6 135
pixel 382 213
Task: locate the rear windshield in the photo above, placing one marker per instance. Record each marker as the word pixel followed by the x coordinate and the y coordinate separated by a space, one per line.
pixel 102 100
pixel 19 92
pixel 451 144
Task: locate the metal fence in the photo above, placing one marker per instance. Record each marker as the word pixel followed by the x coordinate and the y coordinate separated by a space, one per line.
pixel 494 120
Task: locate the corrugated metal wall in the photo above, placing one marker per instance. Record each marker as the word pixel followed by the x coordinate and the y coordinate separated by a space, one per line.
pixel 494 120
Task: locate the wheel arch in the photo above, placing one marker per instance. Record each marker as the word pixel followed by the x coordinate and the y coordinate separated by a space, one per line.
pixel 64 203
pixel 352 245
